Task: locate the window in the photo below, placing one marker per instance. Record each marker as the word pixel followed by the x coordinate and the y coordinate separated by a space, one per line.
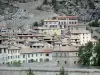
pixel 75 22
pixel 75 62
pixel 31 37
pixel 72 22
pixel 11 57
pixel 8 57
pixel 58 62
pixel 23 61
pixel 64 22
pixel 38 46
pixel 41 60
pixel 47 54
pixel 18 56
pixel 55 25
pixel 0 50
pixel 45 25
pixel 32 55
pixel 41 54
pixel 65 54
pixel 59 22
pixel 36 54
pixel 30 46
pixel 56 54
pixel 34 46
pixel 36 60
pixel 61 54
pixel 23 56
pixel 64 26
pixel 65 62
pixel 76 54
pixel 69 22
pixel 8 51
pixel 20 37
pixel 63 45
pixel 47 60
pixel 4 50
pixel 75 39
pixel 28 55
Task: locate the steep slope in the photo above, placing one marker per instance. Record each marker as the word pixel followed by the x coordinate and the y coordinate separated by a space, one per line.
pixel 28 13
pixel 25 12
pixel 85 9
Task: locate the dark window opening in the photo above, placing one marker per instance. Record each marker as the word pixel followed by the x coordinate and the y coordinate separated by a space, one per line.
pixel 75 62
pixel 41 60
pixel 65 54
pixel 58 62
pixel 30 46
pixel 28 55
pixel 56 54
pixel 0 50
pixel 4 50
pixel 23 56
pixel 76 54
pixel 65 62
pixel 47 54
pixel 46 60
pixel 20 37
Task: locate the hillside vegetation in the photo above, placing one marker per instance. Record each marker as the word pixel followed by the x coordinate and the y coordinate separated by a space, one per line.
pixel 25 12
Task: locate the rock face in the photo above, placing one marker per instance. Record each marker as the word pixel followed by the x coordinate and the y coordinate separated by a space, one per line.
pixel 25 12
pixel 85 9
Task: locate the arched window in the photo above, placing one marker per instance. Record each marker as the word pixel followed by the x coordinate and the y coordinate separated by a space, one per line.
pixel 95 37
pixel 65 62
pixel 57 62
pixel 41 60
pixel 47 60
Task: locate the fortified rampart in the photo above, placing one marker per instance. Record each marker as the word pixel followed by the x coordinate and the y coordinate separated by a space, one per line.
pixel 46 71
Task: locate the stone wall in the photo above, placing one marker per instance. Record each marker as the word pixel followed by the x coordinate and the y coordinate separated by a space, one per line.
pixel 46 71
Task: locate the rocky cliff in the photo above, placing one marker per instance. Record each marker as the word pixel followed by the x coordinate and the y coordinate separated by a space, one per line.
pixel 24 12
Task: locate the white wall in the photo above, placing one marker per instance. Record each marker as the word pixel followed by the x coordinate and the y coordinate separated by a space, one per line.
pixel 85 38
pixel 36 57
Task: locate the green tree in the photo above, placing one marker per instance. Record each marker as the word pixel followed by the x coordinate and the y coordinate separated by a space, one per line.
pixel 90 54
pixel 85 52
pixel 30 72
pixel 16 63
pixel 94 23
pixel 97 52
pixel 36 24
pixel 63 72
pixel 91 4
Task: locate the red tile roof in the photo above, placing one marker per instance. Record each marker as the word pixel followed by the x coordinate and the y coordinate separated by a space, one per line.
pixel 64 17
pixel 47 51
